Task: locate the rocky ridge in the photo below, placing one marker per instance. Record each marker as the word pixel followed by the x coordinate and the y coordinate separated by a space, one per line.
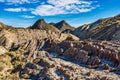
pixel 103 29
pixel 64 60
pixel 39 53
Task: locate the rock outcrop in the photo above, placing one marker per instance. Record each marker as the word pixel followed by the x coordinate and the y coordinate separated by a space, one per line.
pixel 2 50
pixel 45 66
pixel 103 29
pixel 87 52
pixel 42 54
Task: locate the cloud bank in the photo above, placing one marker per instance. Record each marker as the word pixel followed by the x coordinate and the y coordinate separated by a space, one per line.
pixel 11 2
pixel 15 9
pixel 52 7
pixel 56 7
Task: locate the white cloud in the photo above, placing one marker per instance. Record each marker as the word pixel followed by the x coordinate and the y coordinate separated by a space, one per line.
pixel 27 16
pixel 52 7
pixel 10 2
pixel 15 9
pixel 16 1
pixel 67 2
pixel 47 10
pixel 55 7
pixel 62 2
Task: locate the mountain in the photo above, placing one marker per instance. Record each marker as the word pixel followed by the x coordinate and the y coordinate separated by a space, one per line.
pixel 41 24
pixel 2 25
pixel 107 29
pixel 63 26
pixel 46 55
pixel 39 53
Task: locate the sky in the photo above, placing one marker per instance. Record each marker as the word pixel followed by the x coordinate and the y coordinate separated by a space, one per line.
pixel 23 13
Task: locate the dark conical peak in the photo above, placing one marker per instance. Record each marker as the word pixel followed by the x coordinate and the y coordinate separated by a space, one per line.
pixel 63 25
pixel 41 21
pixel 39 24
pixel 63 21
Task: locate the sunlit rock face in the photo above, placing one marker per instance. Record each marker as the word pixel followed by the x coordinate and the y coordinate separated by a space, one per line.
pixel 85 50
pixel 102 29
pixel 39 53
pixel 2 50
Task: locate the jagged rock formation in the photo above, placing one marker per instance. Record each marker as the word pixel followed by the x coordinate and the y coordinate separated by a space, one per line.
pixel 29 39
pixel 46 66
pixel 63 26
pixel 88 50
pixel 108 28
pixel 42 54
pixel 41 24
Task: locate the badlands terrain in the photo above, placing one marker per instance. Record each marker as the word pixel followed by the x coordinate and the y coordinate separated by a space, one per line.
pixel 58 51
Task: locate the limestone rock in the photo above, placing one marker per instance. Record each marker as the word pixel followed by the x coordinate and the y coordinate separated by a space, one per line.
pixel 2 50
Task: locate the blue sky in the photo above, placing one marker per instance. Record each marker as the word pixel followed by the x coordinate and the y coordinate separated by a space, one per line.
pixel 23 13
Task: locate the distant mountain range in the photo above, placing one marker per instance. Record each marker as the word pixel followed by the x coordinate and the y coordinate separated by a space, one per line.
pixel 61 26
pixel 102 29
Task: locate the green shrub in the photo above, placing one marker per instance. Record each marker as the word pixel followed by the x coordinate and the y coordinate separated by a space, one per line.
pixel 25 76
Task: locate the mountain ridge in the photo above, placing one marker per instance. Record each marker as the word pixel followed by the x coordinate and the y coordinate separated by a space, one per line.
pixel 39 53
pixel 100 27
pixel 63 26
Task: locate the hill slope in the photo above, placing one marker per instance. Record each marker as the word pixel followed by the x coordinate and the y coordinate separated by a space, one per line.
pixel 63 26
pixel 42 54
pixel 108 28
pixel 2 25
